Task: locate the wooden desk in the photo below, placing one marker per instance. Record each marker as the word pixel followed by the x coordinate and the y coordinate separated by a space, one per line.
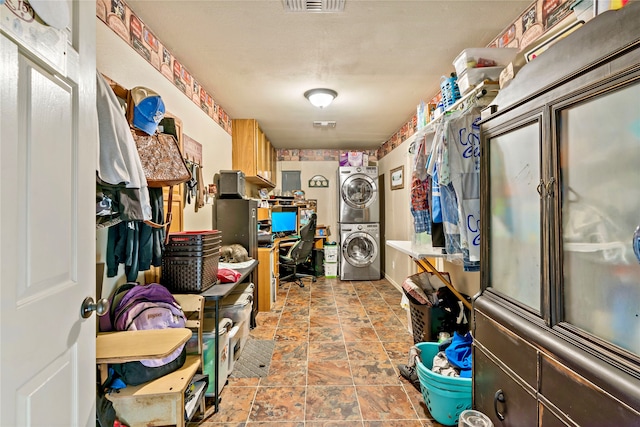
pixel 130 346
pixel 420 258
pixel 285 242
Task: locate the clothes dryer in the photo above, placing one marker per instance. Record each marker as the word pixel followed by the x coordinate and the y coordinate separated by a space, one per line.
pixel 358 194
pixel 360 251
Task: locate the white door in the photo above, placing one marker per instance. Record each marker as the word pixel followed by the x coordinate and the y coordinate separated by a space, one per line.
pixel 47 220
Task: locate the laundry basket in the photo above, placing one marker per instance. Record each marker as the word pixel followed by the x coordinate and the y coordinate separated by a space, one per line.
pixel 445 397
pixel 425 317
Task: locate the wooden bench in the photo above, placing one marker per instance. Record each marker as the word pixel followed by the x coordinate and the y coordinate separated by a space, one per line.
pixel 161 402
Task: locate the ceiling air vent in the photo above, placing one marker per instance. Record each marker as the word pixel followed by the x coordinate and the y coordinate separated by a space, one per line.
pixel 325 6
pixel 324 124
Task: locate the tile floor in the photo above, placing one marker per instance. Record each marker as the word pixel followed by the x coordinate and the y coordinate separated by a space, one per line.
pixel 334 363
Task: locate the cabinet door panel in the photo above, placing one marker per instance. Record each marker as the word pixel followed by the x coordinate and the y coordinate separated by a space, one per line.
pixel 264 278
pixel 519 407
pixel 549 419
pixel 514 248
pixel 519 356
pixel 600 154
pixel 577 398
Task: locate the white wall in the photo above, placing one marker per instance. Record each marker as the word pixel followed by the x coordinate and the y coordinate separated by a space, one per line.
pixel 120 62
pixel 398 218
pixel 327 197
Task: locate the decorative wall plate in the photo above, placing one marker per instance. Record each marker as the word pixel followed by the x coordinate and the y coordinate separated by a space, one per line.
pixel 318 181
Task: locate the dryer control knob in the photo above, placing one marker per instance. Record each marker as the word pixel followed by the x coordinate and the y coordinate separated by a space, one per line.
pixel 358 169
pixel 360 227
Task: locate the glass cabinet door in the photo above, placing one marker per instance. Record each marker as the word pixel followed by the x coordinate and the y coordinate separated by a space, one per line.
pixel 514 236
pixel 599 156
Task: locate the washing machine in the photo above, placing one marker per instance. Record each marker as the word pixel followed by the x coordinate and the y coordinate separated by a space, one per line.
pixel 360 251
pixel 358 194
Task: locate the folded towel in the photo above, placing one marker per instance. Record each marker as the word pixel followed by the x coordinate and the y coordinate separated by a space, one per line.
pixel 228 275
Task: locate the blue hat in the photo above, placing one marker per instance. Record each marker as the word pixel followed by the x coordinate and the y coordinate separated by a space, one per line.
pixel 148 109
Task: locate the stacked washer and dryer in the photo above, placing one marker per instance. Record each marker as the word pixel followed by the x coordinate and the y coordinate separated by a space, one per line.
pixel 359 223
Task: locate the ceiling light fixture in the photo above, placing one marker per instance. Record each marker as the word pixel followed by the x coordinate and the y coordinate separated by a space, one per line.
pixel 320 98
pixel 324 124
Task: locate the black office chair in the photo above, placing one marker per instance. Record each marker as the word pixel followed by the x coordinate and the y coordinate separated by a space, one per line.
pixel 299 253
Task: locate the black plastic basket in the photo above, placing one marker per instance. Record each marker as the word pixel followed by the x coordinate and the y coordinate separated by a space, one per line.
pixel 204 250
pixel 420 319
pixel 194 240
pixel 190 274
pixel 426 320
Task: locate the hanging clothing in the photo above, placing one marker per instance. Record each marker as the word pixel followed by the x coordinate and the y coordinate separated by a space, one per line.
pixel 463 141
pixel 450 219
pixel 420 193
pixel 135 244
pixel 118 160
pixel 420 205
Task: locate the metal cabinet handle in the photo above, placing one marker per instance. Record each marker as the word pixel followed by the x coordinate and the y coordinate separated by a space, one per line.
pixel 635 242
pixel 549 187
pixel 539 187
pixel 499 397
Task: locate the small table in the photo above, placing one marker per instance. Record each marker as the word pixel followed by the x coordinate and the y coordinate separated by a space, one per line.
pixel 420 258
pixel 131 346
pixel 216 293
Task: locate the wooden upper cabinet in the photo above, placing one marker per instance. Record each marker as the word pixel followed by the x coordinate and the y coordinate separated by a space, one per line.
pixel 250 153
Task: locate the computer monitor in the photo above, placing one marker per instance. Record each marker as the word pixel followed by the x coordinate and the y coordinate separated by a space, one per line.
pixel 284 222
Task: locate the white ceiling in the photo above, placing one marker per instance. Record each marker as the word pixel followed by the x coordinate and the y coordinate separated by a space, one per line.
pixel 381 56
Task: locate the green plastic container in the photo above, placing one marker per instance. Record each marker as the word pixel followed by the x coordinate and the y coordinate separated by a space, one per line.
pixel 209 351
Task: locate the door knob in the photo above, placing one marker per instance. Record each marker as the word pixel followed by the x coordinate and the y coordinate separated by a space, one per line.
pixel 89 306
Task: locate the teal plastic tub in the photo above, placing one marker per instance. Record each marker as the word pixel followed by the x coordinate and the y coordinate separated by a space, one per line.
pixel 446 397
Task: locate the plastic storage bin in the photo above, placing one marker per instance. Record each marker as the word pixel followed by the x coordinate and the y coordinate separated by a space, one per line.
pixel 235 345
pixel 238 307
pixel 469 57
pixel 473 76
pixel 208 352
pixel 243 288
pixel 446 397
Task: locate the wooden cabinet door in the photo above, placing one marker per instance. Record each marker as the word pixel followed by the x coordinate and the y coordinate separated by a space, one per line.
pixel 264 279
pixel 245 145
pixel 251 152
pixel 519 408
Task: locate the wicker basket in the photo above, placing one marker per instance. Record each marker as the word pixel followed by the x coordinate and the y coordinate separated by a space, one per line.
pixel 194 240
pixel 190 261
